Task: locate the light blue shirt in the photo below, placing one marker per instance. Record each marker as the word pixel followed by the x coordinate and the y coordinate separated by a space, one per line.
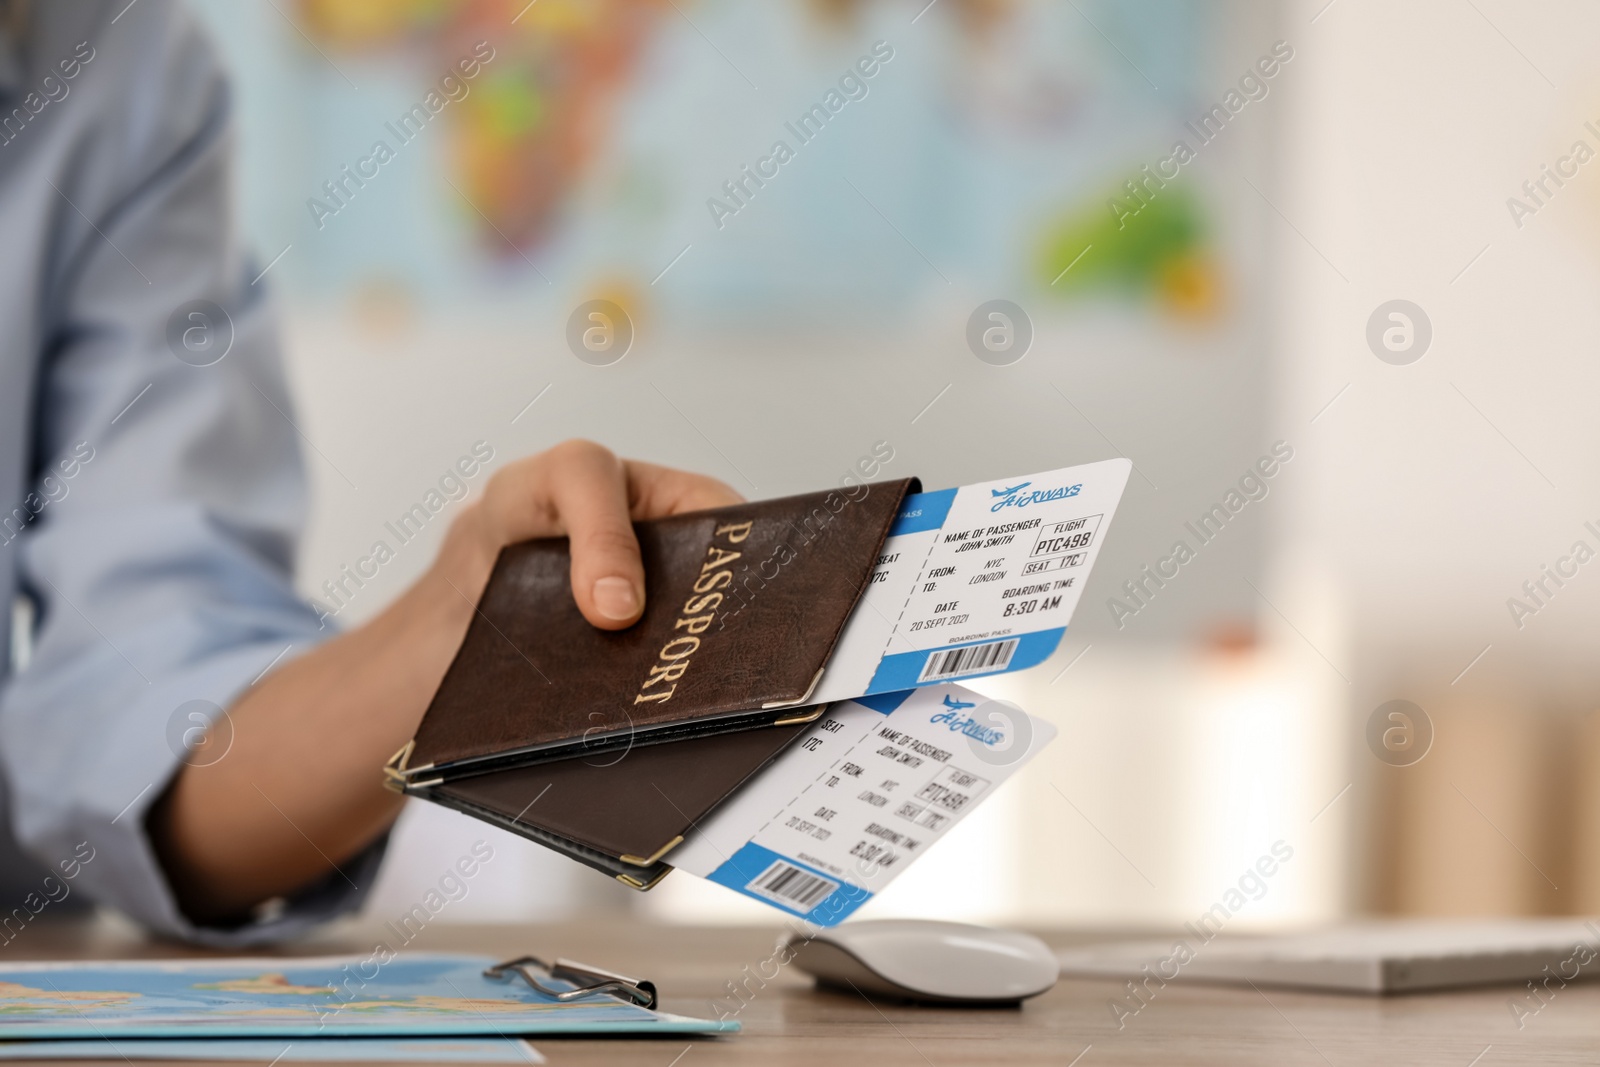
pixel 149 504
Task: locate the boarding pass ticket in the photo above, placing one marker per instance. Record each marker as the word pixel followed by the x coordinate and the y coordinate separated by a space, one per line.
pixel 976 580
pixel 843 811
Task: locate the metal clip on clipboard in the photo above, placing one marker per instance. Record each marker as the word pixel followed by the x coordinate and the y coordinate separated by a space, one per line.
pixel 587 981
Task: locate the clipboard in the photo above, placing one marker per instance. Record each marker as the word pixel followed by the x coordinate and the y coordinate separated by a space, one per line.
pixel 404 995
pixel 600 982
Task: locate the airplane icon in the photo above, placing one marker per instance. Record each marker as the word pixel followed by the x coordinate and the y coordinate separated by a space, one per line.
pixel 957 705
pixel 1008 492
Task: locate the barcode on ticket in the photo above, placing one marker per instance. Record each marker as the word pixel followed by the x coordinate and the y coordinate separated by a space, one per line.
pixel 792 887
pixel 973 659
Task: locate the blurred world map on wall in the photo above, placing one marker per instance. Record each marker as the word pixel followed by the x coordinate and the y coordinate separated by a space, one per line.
pixel 606 137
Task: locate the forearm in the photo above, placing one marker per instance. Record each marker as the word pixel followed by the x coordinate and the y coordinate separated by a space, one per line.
pixel 300 790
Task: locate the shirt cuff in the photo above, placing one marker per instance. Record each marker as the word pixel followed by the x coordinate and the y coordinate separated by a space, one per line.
pixel 128 770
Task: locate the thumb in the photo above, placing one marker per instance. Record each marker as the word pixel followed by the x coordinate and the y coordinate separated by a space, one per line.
pixel 590 493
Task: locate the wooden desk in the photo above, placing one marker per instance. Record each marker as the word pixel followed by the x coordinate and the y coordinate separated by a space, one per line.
pixel 788 1023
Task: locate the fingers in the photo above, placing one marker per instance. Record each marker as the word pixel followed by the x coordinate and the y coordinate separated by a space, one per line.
pixel 578 488
pixel 581 489
pixel 654 491
pixel 589 488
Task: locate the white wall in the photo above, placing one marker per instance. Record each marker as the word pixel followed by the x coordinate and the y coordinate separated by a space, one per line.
pixel 1434 490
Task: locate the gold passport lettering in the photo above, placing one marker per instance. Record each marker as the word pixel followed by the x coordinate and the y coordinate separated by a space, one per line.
pixel 697 614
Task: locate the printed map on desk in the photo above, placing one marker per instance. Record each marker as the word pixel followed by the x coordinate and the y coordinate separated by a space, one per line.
pixel 280 1049
pixel 412 994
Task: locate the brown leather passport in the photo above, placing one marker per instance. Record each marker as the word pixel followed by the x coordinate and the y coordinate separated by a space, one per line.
pixel 743 606
pixel 619 812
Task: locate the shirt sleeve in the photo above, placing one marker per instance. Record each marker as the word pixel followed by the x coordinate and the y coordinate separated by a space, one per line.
pixel 168 456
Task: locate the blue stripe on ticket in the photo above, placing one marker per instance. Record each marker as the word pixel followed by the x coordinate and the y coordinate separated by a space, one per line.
pixel 795 887
pixel 904 670
pixel 884 703
pixel 922 511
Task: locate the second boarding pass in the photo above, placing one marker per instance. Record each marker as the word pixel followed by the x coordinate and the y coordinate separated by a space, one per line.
pixel 871 786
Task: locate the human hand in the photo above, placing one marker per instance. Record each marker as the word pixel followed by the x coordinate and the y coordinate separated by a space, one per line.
pixel 582 490
pixel 225 850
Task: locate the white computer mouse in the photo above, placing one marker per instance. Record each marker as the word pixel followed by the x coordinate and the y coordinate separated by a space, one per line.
pixel 920 959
